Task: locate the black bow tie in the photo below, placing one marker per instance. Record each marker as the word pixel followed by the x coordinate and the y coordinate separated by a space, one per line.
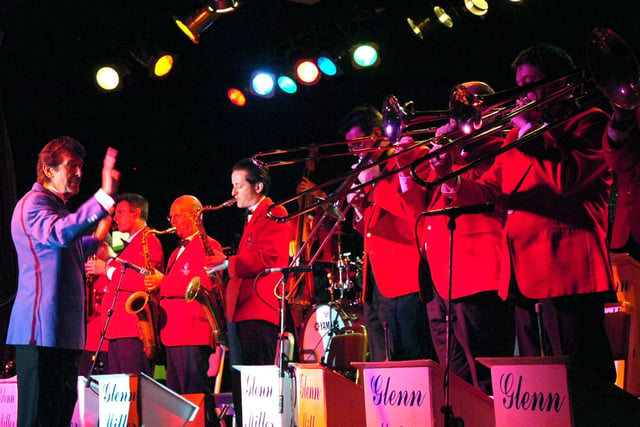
pixel 184 243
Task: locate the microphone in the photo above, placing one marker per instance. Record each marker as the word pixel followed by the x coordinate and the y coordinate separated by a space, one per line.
pixel 216 268
pixel 456 211
pixel 286 270
pixel 127 264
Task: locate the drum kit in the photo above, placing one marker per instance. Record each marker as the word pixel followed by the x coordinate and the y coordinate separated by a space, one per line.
pixel 343 310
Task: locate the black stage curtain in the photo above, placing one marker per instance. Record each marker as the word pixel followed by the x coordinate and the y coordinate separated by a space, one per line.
pixel 8 259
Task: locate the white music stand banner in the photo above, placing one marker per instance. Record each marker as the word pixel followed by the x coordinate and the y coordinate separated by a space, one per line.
pixel 262 395
pixel 9 401
pixel 533 392
pixel 411 393
pixel 551 392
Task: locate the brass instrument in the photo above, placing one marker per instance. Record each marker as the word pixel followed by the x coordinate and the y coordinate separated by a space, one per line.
pixel 209 208
pixel 139 304
pixel 216 319
pixel 612 66
pixel 145 304
pixel 619 81
pixel 212 301
pixel 92 306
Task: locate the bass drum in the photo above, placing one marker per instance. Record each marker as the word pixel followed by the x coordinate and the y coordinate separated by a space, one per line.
pixel 323 323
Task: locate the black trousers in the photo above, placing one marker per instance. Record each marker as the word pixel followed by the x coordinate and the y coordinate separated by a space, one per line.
pixel 482 326
pixel 126 356
pixel 187 368
pixel 572 325
pixel 47 385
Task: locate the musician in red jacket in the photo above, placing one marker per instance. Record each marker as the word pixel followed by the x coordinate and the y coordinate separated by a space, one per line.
pixel 125 346
pixel 186 332
pixel 481 322
pixel 555 192
pixel 382 214
pixel 251 303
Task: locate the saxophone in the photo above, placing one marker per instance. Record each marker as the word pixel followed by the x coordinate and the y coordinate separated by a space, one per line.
pixel 144 304
pixel 212 301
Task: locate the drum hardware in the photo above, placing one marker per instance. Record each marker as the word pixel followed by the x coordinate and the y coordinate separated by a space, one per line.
pixel 326 321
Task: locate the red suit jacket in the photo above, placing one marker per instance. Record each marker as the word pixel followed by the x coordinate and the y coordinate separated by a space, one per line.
pixel 186 323
pixel 625 162
pixel 556 203
pixel 477 245
pixel 123 324
pixel 389 240
pixel 264 244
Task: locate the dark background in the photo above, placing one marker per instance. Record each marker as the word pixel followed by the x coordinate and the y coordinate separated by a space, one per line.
pixel 180 135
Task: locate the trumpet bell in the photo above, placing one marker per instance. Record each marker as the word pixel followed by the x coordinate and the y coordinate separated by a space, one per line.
pixel 614 67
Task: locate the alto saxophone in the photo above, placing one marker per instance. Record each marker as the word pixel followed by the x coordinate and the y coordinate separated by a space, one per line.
pixel 212 301
pixel 145 304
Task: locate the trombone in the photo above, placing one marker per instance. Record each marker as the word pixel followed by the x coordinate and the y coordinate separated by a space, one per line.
pixel 475 115
pixel 612 69
pixel 611 66
pixel 397 118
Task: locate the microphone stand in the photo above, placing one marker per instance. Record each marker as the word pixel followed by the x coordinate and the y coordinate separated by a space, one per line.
pixel 103 333
pixel 282 357
pixel 450 420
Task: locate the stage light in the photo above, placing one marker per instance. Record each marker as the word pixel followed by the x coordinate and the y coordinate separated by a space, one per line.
pixel 477 7
pixel 159 64
pixel 108 78
pixel 263 84
pixel 287 84
pixel 365 55
pixel 163 65
pixel 237 97
pixel 196 24
pixel 307 72
pixel 443 17
pixel 327 65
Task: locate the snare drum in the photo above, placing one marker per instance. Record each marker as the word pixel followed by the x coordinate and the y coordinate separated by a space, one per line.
pixel 323 323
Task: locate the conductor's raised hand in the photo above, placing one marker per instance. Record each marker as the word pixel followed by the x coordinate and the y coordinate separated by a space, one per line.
pixel 110 176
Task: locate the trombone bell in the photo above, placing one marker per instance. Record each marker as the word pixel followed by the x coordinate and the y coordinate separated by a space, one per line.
pixel 396 118
pixel 614 67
